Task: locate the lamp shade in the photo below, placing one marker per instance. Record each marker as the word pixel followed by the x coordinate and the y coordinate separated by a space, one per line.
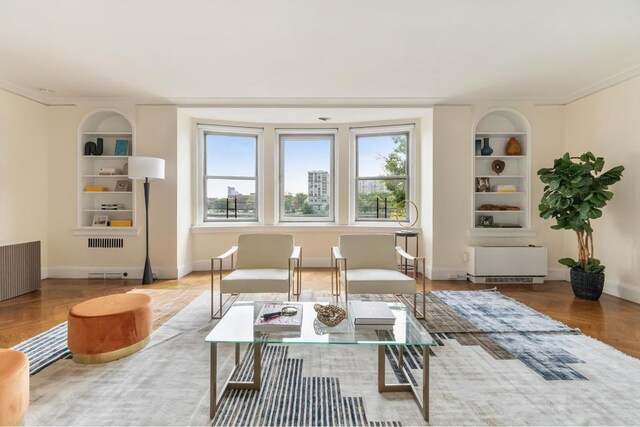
pixel 146 167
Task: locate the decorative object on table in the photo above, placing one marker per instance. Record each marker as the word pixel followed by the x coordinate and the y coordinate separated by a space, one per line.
pixel 146 168
pixel 374 314
pixel 478 147
pixel 485 220
pixel 575 192
pixel 99 147
pixel 122 147
pixel 492 207
pixel 482 185
pixel 513 147
pixel 401 214
pixel 498 166
pixel 486 148
pixel 329 314
pixel 505 188
pixel 100 220
pixel 123 185
pixel 274 317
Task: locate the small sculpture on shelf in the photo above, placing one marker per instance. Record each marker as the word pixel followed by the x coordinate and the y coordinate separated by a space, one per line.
pixel 498 166
pixel 482 185
pixel 94 149
pixel 513 147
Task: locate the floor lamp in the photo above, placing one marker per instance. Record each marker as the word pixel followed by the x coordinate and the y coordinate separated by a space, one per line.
pixel 146 168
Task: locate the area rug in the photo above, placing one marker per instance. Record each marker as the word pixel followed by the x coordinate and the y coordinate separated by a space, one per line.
pixel 497 363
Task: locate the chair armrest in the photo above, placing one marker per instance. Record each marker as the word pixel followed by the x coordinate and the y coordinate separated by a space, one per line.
pixel 336 253
pixel 296 252
pixel 406 256
pixel 228 253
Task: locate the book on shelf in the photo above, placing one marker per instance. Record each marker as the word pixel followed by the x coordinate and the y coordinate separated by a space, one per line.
pixel 505 188
pixel 272 319
pixel 371 313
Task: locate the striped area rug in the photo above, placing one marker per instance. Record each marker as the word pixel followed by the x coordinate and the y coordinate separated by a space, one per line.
pixel 45 348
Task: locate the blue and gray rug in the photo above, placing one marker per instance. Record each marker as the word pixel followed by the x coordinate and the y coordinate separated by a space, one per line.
pixel 497 362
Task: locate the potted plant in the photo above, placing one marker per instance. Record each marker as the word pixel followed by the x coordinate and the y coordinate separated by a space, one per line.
pixel 574 194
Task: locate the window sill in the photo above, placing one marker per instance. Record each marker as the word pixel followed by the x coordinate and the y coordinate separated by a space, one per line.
pixel 296 228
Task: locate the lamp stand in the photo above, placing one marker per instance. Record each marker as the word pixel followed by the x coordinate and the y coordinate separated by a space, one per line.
pixel 147 277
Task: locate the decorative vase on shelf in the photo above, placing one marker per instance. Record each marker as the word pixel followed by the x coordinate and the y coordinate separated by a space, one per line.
pixel 513 147
pixel 486 148
pixel 478 146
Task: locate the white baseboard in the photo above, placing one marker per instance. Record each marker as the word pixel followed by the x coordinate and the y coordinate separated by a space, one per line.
pixel 77 272
pixel 185 269
pixel 446 274
pixel 622 290
pixel 44 273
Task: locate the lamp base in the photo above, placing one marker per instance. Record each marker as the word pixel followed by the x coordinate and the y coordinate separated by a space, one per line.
pixel 147 277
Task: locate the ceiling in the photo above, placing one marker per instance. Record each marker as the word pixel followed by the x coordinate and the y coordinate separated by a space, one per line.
pixel 256 52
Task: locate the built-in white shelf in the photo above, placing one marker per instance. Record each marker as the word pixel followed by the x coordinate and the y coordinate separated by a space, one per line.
pixel 108 133
pixel 493 193
pixel 108 210
pixel 496 128
pixel 109 126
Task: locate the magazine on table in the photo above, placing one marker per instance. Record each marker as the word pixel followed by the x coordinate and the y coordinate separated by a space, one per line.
pixel 276 317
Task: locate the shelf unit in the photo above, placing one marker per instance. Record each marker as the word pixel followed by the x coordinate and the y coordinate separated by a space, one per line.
pixel 111 126
pixel 499 125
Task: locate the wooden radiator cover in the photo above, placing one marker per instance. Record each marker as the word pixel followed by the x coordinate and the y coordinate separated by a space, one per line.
pixel 19 269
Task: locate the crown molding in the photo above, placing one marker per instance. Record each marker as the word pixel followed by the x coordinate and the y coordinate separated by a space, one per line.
pixel 363 102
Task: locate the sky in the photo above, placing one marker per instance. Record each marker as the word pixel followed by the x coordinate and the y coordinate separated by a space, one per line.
pixel 235 155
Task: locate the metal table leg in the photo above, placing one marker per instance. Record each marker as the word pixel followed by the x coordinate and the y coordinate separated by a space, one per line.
pixel 421 400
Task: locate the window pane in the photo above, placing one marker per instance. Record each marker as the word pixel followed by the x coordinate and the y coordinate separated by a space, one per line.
pixel 382 155
pixel 380 199
pixel 230 155
pixel 229 198
pixel 307 182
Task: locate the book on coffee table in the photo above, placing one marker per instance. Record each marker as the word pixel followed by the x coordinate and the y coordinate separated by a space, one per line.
pixel 273 318
pixel 371 313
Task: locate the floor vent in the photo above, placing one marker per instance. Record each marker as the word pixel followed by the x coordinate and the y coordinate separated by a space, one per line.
pixel 506 279
pixel 105 243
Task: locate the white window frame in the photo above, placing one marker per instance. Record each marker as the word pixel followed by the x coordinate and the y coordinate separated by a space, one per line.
pixel 383 130
pixel 309 134
pixel 203 130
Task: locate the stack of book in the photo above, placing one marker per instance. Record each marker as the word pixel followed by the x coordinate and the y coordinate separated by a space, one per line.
pixel 505 188
pixel 272 318
pixel 371 315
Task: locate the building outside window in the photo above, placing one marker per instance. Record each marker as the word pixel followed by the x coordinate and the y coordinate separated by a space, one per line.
pixel 382 167
pixel 230 174
pixel 306 181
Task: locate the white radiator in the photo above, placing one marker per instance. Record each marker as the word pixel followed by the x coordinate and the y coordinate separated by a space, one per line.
pixel 506 264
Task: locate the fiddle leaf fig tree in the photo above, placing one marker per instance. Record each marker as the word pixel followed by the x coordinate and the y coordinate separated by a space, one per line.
pixel 576 190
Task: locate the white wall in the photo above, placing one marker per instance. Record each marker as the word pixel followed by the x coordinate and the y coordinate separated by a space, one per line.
pixel 608 124
pixel 185 165
pixel 24 201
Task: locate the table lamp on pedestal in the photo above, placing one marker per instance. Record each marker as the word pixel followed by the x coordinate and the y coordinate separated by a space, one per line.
pixel 146 168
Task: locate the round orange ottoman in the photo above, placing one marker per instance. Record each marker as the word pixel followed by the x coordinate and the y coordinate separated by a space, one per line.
pixel 14 387
pixel 109 328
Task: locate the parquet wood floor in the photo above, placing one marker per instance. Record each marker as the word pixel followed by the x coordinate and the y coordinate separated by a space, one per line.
pixel 611 320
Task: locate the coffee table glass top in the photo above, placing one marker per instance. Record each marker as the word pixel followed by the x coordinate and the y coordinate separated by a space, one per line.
pixel 237 327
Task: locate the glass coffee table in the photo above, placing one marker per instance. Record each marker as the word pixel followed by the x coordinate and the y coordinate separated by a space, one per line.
pixel 236 327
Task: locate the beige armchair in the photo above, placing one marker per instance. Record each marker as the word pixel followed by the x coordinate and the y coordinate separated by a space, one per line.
pixel 368 264
pixel 265 263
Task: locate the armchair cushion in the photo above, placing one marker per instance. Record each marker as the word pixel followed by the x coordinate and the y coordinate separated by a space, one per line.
pixel 365 251
pixel 260 251
pixel 256 280
pixel 378 281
